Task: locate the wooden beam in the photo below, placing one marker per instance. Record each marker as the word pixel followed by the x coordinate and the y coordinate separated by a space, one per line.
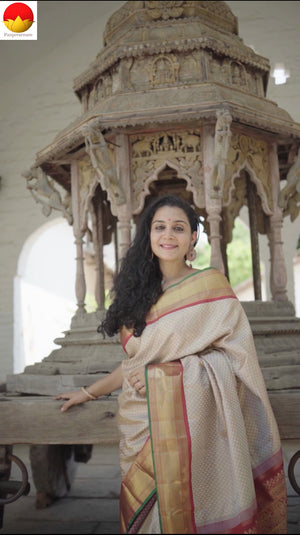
pixel 285 405
pixel 38 419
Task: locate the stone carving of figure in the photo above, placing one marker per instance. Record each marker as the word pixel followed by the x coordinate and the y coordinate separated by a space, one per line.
pixel 190 143
pixel 238 76
pixel 43 191
pixel 97 149
pixel 125 67
pixel 290 194
pixel 164 70
pixel 222 141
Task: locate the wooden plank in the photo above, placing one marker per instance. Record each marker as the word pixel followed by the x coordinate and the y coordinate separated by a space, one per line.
pixel 38 419
pixel 281 378
pixel 285 405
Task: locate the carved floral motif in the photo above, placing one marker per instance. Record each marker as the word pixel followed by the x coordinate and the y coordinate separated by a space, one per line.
pixel 164 9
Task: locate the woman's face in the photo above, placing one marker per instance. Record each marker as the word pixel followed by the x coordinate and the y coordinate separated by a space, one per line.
pixel 170 234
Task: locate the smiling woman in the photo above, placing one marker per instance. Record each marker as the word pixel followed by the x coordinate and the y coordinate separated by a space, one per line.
pixel 172 241
pixel 199 446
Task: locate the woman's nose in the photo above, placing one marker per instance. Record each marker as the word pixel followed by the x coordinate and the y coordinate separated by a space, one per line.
pixel 169 232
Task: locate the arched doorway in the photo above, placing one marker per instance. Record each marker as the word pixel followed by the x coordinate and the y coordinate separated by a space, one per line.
pixel 44 295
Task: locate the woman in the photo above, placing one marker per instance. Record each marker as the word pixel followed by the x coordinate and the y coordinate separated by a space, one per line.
pixel 199 450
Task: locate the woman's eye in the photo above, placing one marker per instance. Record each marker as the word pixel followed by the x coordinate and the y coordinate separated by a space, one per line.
pixel 178 229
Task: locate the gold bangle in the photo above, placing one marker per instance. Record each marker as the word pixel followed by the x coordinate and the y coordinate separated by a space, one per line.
pixel 91 396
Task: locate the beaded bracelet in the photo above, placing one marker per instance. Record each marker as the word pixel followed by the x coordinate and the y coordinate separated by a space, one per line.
pixel 91 396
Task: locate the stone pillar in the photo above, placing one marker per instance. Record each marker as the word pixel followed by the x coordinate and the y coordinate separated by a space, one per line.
pixel 124 212
pixel 252 206
pixel 278 275
pixel 213 201
pixel 80 285
pixel 124 233
pixel 214 219
pixel 97 220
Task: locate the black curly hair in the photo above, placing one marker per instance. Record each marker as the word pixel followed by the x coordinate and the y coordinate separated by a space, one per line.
pixel 137 286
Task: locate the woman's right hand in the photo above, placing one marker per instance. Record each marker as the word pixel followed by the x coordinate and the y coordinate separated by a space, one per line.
pixel 73 398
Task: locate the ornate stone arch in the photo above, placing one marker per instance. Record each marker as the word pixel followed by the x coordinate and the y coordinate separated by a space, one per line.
pixel 181 174
pixel 263 194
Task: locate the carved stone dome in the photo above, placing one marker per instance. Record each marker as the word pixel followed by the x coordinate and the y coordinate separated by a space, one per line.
pixel 141 14
pixel 145 29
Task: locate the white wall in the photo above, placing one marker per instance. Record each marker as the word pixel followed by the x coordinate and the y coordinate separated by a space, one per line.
pixel 37 102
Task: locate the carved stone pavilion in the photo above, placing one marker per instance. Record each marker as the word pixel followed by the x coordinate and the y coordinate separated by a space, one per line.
pixel 174 102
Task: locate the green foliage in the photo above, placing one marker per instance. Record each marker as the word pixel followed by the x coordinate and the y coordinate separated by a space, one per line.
pixel 203 256
pixel 91 304
pixel 239 255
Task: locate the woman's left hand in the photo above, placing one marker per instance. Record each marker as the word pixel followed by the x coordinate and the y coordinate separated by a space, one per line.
pixel 137 380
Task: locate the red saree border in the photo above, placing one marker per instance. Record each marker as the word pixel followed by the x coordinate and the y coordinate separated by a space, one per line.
pixel 208 286
pixel 199 302
pixel 271 462
pixel 267 514
pixel 125 340
pixel 271 495
pixel 171 447
pixel 243 522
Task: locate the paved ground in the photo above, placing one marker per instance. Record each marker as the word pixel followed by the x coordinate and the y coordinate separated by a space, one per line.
pixel 92 505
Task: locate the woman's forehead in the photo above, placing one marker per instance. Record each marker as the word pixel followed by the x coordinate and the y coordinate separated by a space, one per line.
pixel 170 213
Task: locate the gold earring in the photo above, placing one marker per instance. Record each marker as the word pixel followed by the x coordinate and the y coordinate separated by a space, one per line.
pixel 191 255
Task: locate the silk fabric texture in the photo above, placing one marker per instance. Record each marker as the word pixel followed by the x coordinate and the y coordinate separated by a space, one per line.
pixel 201 452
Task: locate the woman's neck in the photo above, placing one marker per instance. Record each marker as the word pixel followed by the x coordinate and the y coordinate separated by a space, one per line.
pixel 173 273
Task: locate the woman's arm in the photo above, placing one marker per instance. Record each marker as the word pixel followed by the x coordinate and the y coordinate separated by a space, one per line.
pixel 101 387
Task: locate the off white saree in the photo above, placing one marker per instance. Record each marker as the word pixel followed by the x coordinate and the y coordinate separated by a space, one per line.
pixel 201 453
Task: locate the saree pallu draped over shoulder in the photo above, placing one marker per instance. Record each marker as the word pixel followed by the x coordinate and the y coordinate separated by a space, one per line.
pixel 201 452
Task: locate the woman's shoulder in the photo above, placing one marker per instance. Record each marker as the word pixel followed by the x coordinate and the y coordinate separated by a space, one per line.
pixel 212 278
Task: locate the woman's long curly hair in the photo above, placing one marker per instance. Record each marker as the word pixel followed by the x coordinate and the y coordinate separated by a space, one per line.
pixel 137 286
